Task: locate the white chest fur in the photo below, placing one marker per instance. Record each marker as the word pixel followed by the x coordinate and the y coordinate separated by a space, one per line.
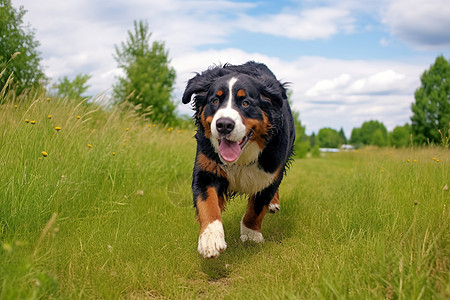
pixel 247 179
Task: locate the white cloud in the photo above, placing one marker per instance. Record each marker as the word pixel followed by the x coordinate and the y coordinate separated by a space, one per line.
pixel 424 24
pixel 308 24
pixel 384 82
pixel 328 86
pixel 384 42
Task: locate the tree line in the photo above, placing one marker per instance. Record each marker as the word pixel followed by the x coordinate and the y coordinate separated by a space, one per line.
pixel 148 82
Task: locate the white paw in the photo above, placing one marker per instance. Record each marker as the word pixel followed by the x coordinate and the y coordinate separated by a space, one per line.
pixel 248 234
pixel 212 240
pixel 273 208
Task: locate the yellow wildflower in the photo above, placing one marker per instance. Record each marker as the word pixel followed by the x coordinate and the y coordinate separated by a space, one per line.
pixel 408 160
pixel 114 153
pixel 127 129
pixel 33 122
pixel 44 154
pixel 78 117
pixel 49 116
pixel 27 121
pixel 57 128
pixel 7 247
pixel 48 99
pixel 89 145
pixel 16 106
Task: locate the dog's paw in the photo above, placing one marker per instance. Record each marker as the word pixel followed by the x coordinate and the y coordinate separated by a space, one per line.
pixel 273 208
pixel 212 240
pixel 248 234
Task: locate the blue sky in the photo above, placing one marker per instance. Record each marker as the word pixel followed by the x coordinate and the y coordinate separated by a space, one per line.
pixel 347 61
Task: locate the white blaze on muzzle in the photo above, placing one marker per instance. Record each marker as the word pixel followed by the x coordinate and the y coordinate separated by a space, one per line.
pixel 229 145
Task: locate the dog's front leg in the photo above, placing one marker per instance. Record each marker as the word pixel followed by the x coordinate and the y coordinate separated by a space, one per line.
pixel 252 220
pixel 211 241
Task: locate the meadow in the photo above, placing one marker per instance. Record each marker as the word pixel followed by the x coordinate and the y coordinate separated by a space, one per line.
pixel 96 204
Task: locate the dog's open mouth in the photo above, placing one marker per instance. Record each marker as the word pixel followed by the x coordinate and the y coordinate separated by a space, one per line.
pixel 230 150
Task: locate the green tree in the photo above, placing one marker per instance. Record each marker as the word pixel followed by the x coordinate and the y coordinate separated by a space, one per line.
pixel 370 133
pixel 355 137
pixel 378 138
pixel 148 79
pixel 400 136
pixel 342 135
pixel 73 90
pixel 329 138
pixel 431 109
pixel 14 37
pixel 301 144
pixel 312 140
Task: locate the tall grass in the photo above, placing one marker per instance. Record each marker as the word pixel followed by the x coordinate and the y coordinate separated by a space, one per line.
pixel 108 214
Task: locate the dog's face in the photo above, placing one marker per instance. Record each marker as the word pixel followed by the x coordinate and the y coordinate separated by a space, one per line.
pixel 233 119
pixel 235 111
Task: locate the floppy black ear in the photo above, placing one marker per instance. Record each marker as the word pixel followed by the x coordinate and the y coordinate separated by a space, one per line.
pixel 272 89
pixel 200 83
pixel 196 85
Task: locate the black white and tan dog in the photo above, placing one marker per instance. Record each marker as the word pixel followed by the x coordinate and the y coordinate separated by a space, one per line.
pixel 245 140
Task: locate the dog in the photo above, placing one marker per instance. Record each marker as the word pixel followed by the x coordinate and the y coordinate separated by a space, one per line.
pixel 245 137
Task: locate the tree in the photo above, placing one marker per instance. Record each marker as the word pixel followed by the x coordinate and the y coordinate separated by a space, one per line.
pixel 312 140
pixel 355 137
pixel 431 109
pixel 400 136
pixel 378 138
pixel 370 133
pixel 342 135
pixel 72 90
pixel 301 144
pixel 148 77
pixel 329 138
pixel 14 37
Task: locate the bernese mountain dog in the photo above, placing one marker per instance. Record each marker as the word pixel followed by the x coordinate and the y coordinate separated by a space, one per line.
pixel 245 137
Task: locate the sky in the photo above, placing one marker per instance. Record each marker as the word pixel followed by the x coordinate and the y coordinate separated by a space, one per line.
pixel 347 61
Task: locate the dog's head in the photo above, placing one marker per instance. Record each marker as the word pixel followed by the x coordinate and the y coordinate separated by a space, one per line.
pixel 237 108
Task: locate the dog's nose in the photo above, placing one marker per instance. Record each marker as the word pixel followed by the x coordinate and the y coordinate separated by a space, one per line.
pixel 225 125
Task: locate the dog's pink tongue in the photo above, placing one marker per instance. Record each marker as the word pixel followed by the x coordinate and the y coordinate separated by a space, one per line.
pixel 229 151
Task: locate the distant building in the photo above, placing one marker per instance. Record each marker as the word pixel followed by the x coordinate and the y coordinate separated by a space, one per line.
pixel 343 148
pixel 328 149
pixel 348 147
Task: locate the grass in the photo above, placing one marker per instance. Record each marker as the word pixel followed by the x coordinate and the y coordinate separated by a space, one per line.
pixel 108 214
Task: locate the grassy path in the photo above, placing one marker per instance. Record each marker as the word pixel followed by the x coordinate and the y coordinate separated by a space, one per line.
pixel 108 214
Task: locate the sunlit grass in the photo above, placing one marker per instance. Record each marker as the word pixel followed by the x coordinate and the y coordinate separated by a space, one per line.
pixel 102 208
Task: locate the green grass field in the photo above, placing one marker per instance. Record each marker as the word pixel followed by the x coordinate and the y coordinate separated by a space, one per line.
pixel 107 213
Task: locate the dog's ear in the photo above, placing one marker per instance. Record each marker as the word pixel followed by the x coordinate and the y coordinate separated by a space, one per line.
pixel 272 90
pixel 197 85
pixel 200 83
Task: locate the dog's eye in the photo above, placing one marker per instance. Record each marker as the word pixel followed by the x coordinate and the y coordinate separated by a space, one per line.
pixel 245 103
pixel 215 101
